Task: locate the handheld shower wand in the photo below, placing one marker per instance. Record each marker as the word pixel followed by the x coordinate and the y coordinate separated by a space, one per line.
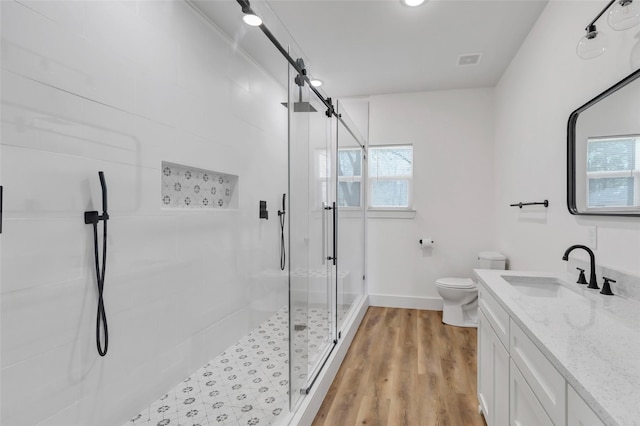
pixel 92 217
pixel 281 215
pixel 103 184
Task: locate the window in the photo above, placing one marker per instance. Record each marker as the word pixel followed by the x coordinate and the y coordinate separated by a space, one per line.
pixel 390 176
pixel 349 177
pixel 613 172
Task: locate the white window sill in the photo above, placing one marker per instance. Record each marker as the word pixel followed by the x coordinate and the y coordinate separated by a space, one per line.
pixel 391 214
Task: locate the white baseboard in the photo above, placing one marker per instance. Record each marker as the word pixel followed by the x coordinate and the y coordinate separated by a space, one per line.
pixel 309 407
pixel 406 302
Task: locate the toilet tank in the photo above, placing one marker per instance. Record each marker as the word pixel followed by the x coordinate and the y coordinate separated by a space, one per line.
pixel 491 260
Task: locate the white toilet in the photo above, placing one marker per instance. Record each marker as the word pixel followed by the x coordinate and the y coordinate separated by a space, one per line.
pixel 460 295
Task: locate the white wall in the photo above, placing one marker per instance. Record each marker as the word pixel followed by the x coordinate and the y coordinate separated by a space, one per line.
pixel 452 135
pixel 545 82
pixel 119 87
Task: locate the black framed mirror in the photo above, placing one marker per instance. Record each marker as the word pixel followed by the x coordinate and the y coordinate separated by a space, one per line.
pixel 603 152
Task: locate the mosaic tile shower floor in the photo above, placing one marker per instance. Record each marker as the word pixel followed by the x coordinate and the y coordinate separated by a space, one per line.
pixel 248 384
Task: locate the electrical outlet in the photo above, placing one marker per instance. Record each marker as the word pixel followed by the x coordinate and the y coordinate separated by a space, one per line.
pixel 592 237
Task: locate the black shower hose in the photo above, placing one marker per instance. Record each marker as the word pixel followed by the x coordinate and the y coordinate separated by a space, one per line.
pixel 101 321
pixel 283 255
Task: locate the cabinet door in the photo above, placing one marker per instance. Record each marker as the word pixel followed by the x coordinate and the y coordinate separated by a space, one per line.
pixel 525 410
pixel 493 375
pixel 485 370
pixel 546 382
pixel 500 383
pixel 578 412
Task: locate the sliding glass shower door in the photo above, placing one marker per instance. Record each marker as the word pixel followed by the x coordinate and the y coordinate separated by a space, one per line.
pixel 350 181
pixel 312 274
pixel 327 171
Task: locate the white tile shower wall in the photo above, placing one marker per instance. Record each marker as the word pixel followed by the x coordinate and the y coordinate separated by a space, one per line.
pixel 544 83
pixel 120 87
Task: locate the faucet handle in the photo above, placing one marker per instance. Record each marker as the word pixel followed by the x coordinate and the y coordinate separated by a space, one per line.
pixel 606 288
pixel 581 278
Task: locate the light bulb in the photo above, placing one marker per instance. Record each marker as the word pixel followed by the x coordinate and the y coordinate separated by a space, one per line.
pixel 251 19
pixel 316 83
pixel 592 45
pixel 624 14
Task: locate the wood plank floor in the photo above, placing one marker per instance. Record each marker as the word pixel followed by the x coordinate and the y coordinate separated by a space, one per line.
pixel 405 367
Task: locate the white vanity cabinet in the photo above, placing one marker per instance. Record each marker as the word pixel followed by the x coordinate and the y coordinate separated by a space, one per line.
pixel 517 384
pixel 493 360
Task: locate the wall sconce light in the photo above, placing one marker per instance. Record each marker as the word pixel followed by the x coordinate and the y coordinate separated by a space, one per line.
pixel 624 14
pixel 592 44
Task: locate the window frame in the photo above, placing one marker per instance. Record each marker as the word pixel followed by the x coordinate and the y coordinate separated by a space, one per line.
pixel 408 178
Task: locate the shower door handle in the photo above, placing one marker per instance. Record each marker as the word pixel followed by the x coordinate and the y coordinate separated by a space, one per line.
pixel 323 236
pixel 335 234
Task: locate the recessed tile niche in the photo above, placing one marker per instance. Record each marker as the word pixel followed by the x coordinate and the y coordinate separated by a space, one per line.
pixel 186 187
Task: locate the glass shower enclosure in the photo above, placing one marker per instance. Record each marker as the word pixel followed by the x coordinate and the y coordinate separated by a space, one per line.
pixel 326 231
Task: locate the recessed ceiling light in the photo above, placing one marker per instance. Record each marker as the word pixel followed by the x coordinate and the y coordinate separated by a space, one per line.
pixel 316 83
pixel 251 19
pixel 412 3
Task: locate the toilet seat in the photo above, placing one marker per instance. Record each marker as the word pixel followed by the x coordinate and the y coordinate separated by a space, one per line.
pixel 461 283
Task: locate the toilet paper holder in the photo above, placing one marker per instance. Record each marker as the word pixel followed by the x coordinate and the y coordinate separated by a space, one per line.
pixel 426 242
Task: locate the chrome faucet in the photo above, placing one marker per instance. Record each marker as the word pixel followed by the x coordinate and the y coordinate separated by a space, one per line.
pixel 593 282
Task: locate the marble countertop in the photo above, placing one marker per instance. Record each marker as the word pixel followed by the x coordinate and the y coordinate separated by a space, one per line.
pixel 594 342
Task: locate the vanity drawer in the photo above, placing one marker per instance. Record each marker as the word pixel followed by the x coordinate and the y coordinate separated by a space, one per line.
pixel 543 378
pixel 496 315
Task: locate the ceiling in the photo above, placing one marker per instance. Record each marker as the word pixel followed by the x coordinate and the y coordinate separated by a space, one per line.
pixel 370 47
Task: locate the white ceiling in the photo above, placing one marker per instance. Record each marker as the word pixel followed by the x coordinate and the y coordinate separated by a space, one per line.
pixel 369 47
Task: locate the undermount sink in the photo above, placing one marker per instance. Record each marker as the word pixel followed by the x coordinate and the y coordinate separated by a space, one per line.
pixel 540 286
